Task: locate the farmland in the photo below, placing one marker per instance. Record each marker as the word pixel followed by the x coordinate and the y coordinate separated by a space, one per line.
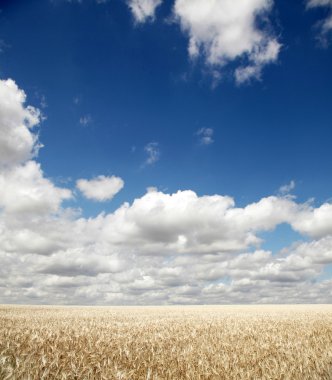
pixel 171 342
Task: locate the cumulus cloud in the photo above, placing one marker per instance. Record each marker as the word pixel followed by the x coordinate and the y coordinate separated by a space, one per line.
pixel 161 248
pixel 314 222
pixel 143 10
pixel 24 190
pixel 17 142
pixel 227 31
pixel 205 136
pixel 101 188
pixel 326 24
pixel 27 198
pixel 23 187
pixel 153 153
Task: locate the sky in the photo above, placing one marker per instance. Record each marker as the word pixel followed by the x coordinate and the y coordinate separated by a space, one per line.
pixel 165 152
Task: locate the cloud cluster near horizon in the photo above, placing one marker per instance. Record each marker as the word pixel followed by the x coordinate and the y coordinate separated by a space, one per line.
pixel 162 248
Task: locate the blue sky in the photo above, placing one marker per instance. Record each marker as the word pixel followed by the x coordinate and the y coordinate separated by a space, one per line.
pixel 128 79
pixel 122 93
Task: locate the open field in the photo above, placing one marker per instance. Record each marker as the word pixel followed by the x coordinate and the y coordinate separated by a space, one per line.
pixel 194 342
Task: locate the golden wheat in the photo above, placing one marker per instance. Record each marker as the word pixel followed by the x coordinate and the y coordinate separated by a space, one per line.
pixel 201 342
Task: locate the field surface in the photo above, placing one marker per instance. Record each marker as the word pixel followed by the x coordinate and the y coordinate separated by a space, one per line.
pixel 194 342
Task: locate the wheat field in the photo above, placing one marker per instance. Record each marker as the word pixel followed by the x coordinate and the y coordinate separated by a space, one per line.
pixel 193 342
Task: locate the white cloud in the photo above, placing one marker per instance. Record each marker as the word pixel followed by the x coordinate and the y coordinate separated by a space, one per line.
pixel 161 248
pixel 285 189
pixel 17 142
pixel 101 188
pixel 225 31
pixel 315 222
pixel 205 136
pixel 143 10
pixel 28 240
pixel 24 190
pixel 153 153
pixel 325 25
pixel 78 262
pixel 162 223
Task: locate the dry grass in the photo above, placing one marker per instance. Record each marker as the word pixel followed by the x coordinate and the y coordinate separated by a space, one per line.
pixel 212 342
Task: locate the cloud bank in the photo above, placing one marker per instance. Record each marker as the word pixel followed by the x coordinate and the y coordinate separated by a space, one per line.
pixel 160 249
